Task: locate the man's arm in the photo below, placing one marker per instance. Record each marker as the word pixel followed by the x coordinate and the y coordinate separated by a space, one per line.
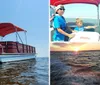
pixel 64 33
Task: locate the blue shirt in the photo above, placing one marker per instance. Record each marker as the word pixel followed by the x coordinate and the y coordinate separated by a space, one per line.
pixel 79 28
pixel 59 22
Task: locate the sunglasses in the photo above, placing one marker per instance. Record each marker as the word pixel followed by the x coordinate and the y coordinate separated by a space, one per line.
pixel 61 9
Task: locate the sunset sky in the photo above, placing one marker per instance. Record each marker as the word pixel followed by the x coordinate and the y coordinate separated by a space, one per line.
pixel 74 46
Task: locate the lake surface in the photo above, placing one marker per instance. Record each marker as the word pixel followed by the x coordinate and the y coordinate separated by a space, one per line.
pixel 75 68
pixel 27 72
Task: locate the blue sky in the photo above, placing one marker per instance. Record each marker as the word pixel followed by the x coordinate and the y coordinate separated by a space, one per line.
pixel 31 15
pixel 80 10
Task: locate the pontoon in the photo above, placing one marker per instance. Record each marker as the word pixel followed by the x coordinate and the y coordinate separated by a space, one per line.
pixel 13 50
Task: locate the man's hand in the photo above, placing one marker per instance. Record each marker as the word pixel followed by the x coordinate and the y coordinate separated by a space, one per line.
pixel 71 35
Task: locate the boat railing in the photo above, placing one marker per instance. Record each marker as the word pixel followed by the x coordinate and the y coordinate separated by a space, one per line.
pixel 15 47
pixel 2 47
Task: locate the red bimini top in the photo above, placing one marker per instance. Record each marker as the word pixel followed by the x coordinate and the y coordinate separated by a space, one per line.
pixel 57 2
pixel 7 28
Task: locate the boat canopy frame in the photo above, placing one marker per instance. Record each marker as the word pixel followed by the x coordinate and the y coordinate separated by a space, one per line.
pixel 8 28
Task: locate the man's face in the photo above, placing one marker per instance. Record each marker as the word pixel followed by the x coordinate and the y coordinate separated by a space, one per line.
pixel 61 11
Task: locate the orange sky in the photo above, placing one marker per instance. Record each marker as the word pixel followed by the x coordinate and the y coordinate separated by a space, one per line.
pixel 74 46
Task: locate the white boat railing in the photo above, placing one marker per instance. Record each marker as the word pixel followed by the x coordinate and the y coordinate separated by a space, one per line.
pixel 2 47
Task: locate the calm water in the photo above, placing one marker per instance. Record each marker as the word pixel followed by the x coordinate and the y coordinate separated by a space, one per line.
pixel 75 68
pixel 28 72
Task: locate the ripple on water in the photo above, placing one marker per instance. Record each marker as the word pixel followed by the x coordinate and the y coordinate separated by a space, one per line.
pixel 24 72
pixel 75 70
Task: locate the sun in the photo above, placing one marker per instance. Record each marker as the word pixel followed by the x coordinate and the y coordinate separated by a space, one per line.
pixel 76 49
